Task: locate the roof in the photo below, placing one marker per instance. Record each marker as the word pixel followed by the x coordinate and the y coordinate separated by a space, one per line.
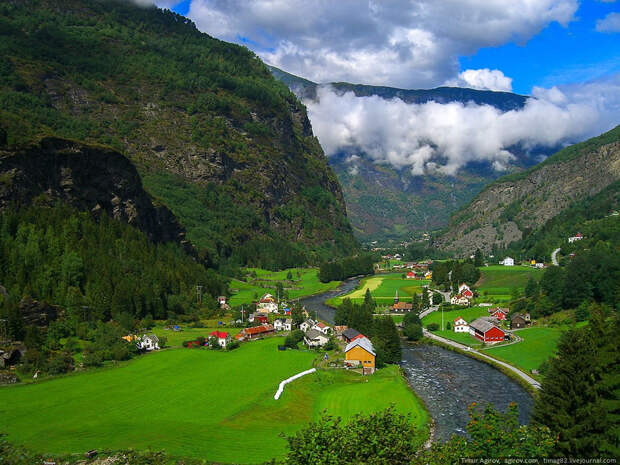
pixel 310 322
pixel 288 321
pixel 518 315
pixel 402 305
pixel 460 318
pixel 314 334
pixel 321 325
pixel 498 309
pixel 483 325
pixel 152 337
pixel 350 333
pixel 258 329
pixel 340 328
pixel 362 342
pixel 219 334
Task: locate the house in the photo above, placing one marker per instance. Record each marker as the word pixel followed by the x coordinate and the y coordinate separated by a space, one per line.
pixel 322 327
pixel 148 342
pixel 255 332
pixel 428 275
pixel 411 275
pixel 460 325
pixel 520 321
pixel 351 334
pixel 268 304
pixel 314 338
pixel 463 287
pixel 401 307
pixel 223 338
pixel 361 351
pixel 459 300
pixel 485 330
pixel 306 325
pixel 339 330
pixel 258 317
pixel 539 265
pixel 499 313
pixel 576 237
pixel 282 324
pixel 221 300
pixel 508 261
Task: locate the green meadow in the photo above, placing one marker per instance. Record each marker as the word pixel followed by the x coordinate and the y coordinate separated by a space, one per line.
pixel 467 313
pixel 539 343
pixel 383 287
pixel 305 282
pixel 214 405
pixel 497 281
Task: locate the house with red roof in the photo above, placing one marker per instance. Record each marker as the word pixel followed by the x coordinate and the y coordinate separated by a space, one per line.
pixel 223 338
pixel 487 331
pixel 499 313
pixel 460 325
pixel 411 275
pixel 322 327
pixel 255 332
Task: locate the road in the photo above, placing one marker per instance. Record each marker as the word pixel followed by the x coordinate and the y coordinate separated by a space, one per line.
pixel 554 256
pixel 518 372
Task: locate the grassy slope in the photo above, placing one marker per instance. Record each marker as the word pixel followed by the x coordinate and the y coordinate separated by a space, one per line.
pixel 191 402
pixel 498 280
pixel 308 284
pixel 382 288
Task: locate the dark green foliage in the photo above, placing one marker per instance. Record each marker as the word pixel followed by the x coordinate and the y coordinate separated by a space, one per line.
pixel 386 340
pixel 292 340
pixel 462 272
pixel 580 394
pixel 478 258
pixel 413 331
pixel 338 270
pixel 492 435
pixel 432 326
pixel 384 438
pixel 96 269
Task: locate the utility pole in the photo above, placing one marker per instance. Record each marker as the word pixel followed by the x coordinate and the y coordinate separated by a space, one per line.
pixel 199 293
pixel 242 313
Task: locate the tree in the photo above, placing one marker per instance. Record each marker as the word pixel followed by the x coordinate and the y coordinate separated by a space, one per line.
pixel 331 441
pixel 387 338
pixel 478 258
pixel 448 326
pixel 289 276
pixel 368 301
pixel 425 300
pixel 413 331
pixel 531 288
pixel 437 298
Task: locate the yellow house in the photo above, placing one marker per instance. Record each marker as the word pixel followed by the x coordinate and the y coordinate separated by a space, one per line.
pixel 428 275
pixel 361 350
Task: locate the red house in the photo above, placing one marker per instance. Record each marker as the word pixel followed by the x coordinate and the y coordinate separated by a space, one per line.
pixel 499 313
pixel 486 331
pixel 467 293
pixel 411 275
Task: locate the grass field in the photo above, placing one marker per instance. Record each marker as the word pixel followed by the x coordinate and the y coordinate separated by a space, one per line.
pixel 383 288
pixel 307 283
pixel 468 313
pixel 176 338
pixel 539 343
pixel 498 281
pixel 190 402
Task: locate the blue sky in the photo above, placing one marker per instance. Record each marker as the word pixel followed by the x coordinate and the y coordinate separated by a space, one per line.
pixel 544 55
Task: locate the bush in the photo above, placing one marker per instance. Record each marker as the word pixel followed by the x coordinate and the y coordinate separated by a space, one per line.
pixel 413 332
pixel 448 326
pixel 92 358
pixel 331 344
pixel 232 345
pixel 432 326
pixel 120 352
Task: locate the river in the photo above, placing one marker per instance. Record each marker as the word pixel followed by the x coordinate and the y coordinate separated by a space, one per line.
pixel 447 381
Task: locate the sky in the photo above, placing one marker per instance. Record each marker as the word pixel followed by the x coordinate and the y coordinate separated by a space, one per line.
pixel 563 53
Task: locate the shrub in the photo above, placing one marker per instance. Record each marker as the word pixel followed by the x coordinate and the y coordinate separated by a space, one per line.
pixel 432 326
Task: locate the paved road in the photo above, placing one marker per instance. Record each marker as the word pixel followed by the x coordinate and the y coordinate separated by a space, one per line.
pixel 520 373
pixel 554 258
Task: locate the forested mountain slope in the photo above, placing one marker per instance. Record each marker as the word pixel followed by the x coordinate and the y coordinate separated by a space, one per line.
pixel 514 206
pixel 384 202
pixel 214 136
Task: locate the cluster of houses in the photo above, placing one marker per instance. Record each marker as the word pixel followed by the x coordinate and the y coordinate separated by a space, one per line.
pixel 487 328
pixel 463 297
pixel 420 275
pixel 147 342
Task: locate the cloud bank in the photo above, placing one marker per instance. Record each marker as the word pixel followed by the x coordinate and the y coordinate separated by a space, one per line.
pixel 445 137
pixel 609 24
pixel 401 43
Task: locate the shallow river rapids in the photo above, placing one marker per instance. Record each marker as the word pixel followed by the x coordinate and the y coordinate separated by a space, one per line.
pixel 447 381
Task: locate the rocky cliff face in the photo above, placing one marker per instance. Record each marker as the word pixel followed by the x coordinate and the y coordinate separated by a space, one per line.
pixel 91 178
pixel 513 205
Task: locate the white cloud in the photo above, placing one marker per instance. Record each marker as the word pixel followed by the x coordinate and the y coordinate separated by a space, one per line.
pixel 423 137
pixel 610 23
pixel 485 79
pixel 402 43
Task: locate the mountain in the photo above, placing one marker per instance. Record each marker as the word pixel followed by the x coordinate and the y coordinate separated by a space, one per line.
pixel 517 205
pixel 214 137
pixel 386 203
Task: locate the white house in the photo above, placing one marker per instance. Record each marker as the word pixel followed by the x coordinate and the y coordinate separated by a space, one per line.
pixel 221 300
pixel 576 237
pixel 463 287
pixel 314 338
pixel 508 261
pixel 322 327
pixel 461 326
pixel 306 325
pixel 148 342
pixel 282 324
pixel 223 338
pixel 268 304
pixel 459 300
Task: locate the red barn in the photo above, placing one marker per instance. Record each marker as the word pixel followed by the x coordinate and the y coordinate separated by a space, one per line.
pixel 486 331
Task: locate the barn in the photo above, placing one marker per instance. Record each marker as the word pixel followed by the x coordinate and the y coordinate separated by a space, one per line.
pixel 486 331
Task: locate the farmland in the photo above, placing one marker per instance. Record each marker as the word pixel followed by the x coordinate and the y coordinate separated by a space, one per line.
pixel 498 281
pixel 383 288
pixel 193 402
pixel 304 282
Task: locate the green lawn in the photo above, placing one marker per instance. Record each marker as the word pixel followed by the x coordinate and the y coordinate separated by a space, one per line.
pixel 191 402
pixel 539 343
pixel 307 283
pixel 176 338
pixel 498 281
pixel 383 287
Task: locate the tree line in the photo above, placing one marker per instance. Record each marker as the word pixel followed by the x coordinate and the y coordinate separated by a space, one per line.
pixel 341 269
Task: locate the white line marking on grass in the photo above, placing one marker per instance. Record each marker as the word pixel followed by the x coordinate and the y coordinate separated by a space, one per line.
pixel 288 380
